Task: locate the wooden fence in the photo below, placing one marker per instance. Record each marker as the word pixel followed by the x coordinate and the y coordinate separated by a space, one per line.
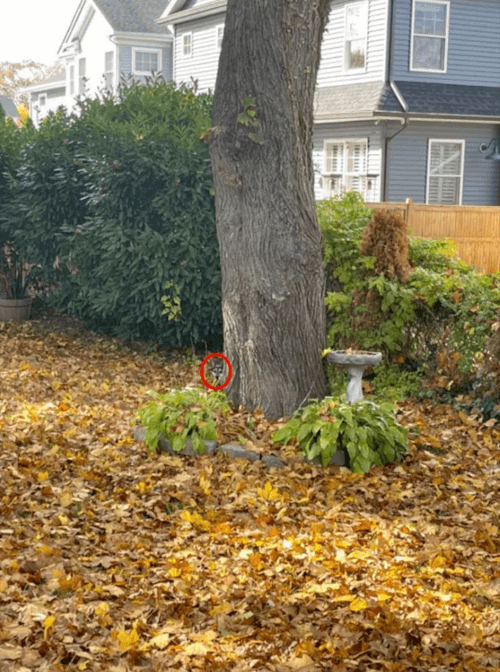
pixel 474 229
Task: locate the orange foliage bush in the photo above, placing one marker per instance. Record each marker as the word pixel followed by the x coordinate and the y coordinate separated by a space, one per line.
pixel 386 238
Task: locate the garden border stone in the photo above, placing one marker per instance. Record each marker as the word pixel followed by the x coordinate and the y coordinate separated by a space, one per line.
pixel 233 450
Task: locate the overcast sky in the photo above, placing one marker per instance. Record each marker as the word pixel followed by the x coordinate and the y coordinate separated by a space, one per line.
pixel 34 29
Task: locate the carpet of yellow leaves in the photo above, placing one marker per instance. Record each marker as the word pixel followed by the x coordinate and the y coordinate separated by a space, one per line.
pixel 115 560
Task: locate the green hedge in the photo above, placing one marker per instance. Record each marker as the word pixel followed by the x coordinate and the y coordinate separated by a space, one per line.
pixel 122 191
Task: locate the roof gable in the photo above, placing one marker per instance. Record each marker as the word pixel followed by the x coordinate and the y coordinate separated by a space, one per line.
pixel 133 16
pixel 184 10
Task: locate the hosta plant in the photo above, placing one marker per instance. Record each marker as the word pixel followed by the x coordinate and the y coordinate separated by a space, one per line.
pixel 180 415
pixel 367 432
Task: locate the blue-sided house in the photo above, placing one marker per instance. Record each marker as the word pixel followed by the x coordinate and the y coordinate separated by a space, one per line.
pixel 407 92
pixel 407 97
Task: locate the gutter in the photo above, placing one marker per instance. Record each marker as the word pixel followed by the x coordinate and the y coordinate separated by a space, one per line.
pixel 396 92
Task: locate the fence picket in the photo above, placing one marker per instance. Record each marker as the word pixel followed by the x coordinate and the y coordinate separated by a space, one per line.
pixel 475 229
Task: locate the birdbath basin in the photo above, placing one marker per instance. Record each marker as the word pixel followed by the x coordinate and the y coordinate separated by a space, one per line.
pixel 354 363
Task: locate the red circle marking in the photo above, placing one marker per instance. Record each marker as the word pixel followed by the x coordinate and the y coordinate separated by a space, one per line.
pixel 229 375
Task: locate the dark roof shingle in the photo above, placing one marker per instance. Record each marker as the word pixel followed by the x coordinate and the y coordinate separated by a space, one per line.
pixel 373 98
pixel 421 97
pixel 133 16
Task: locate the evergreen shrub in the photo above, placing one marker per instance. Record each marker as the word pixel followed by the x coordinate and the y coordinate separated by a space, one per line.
pixel 121 194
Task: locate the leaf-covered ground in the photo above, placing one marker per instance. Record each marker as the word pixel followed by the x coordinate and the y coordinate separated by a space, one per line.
pixel 112 559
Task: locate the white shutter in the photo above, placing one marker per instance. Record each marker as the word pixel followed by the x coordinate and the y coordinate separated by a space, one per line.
pixel 444 172
pixel 356 157
pixel 345 167
pixel 334 158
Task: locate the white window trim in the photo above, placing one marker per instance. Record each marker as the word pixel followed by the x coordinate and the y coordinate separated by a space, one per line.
pixel 344 142
pixel 217 28
pixel 82 79
pixel 462 162
pixel 141 50
pixel 71 80
pixel 44 96
pixel 446 37
pixel 356 71
pixel 112 71
pixel 183 55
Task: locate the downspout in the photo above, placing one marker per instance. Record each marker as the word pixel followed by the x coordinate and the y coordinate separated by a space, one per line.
pixel 396 92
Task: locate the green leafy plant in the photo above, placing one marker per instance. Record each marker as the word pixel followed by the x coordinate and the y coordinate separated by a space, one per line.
pixel 367 432
pixel 440 317
pixel 13 282
pixel 172 302
pixel 248 118
pixel 182 415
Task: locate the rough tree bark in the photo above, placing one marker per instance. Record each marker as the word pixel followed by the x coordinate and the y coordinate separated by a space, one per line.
pixel 260 147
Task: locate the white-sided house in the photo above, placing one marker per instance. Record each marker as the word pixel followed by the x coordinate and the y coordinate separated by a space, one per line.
pixel 46 96
pixel 407 99
pixel 105 40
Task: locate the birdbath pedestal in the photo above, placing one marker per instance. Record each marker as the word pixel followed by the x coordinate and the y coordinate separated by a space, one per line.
pixel 354 363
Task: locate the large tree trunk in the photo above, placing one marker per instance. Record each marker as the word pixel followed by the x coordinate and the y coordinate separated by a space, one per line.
pixel 273 282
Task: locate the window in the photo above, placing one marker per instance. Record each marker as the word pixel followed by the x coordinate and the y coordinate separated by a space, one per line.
pixel 219 34
pixel 71 79
pixel 81 76
pixel 187 40
pixel 146 61
pixel 445 171
pixel 42 99
pixel 108 69
pixel 429 41
pixel 356 31
pixel 346 168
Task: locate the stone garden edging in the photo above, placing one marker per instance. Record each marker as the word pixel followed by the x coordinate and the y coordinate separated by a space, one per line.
pixel 233 450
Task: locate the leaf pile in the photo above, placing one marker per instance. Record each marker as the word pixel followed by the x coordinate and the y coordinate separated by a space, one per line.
pixel 114 560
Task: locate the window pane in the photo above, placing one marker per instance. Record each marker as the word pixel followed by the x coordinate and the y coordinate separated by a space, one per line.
pixel 428 53
pixel 446 158
pixel 356 158
pixel 356 54
pixel 334 155
pixel 356 16
pixel 146 61
pixel 444 190
pixel 430 19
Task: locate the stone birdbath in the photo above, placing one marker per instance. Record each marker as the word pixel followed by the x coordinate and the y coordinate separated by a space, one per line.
pixel 354 362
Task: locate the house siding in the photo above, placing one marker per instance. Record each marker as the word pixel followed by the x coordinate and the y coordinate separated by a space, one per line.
pixel 343 132
pixel 331 69
pixel 55 97
pixel 95 42
pixel 473 47
pixel 203 63
pixel 407 162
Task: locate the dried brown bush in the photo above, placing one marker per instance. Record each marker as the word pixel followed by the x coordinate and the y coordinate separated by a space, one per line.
pixel 386 238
